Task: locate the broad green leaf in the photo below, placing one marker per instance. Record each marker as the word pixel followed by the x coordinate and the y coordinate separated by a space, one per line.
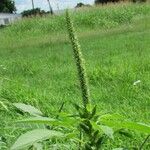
pixel 29 126
pixel 125 133
pixel 65 122
pixel 137 126
pixel 34 136
pixel 43 120
pixel 38 146
pixel 28 108
pixel 112 117
pixel 118 149
pixel 105 129
pixel 72 135
pixel 127 125
pixel 69 121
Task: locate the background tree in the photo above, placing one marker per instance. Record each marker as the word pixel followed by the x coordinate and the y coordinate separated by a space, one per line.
pixel 33 12
pixel 105 1
pixel 7 6
pixel 114 1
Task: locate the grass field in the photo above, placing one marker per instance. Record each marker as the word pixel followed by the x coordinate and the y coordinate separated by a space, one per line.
pixel 37 67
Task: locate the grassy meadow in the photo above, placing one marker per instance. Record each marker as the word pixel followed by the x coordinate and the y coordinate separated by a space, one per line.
pixel 37 66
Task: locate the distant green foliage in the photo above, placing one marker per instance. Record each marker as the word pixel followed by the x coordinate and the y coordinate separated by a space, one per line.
pixel 105 1
pixel 33 12
pixel 140 1
pixel 79 5
pixel 7 6
pixel 114 1
pixel 89 18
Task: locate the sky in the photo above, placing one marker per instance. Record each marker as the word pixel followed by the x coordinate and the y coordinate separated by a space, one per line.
pixel 56 4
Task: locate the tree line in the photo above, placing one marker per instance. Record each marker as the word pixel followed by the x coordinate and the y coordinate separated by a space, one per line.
pixel 8 6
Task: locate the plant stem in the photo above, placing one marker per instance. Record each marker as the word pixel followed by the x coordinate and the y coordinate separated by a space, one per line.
pixel 79 61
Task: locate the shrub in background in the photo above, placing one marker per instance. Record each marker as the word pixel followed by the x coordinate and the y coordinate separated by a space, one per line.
pixel 115 1
pixel 33 12
pixel 7 6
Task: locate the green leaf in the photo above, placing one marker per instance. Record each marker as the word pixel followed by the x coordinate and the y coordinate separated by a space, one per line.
pixel 112 117
pixel 43 120
pixel 125 133
pixel 65 122
pixel 126 125
pixel 105 129
pixel 29 126
pixel 28 108
pixel 118 149
pixel 137 126
pixel 38 146
pixel 34 136
pixel 71 135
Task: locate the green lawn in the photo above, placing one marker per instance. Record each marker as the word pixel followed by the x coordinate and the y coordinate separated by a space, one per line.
pixel 37 67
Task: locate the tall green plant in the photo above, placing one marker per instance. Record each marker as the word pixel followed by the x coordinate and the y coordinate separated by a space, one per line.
pixel 85 125
pixel 79 61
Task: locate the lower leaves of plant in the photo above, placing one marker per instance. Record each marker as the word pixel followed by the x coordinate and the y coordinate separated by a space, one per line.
pixel 29 109
pixel 120 123
pixel 34 136
pixel 99 131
